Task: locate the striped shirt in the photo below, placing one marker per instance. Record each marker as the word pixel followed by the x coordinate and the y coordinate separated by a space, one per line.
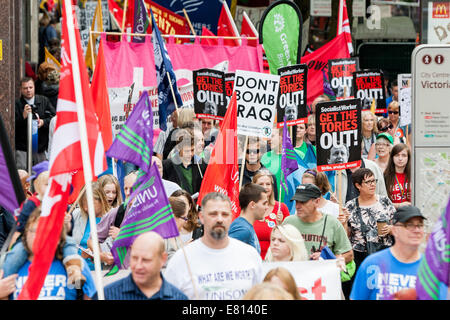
pixel 126 289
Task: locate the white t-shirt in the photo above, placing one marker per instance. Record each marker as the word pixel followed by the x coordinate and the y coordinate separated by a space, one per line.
pixel 219 274
pixel 330 208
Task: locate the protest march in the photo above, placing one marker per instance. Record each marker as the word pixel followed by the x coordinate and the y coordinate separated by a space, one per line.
pixel 211 150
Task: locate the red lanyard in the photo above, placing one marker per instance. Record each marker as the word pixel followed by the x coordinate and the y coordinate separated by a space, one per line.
pixel 402 188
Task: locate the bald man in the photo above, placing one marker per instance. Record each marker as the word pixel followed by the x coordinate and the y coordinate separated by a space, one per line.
pixel 147 256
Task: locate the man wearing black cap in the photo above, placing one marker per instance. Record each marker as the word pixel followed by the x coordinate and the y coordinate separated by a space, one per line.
pixel 384 274
pixel 318 230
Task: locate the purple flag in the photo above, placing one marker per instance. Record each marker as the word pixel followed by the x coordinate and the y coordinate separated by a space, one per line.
pixel 134 143
pixel 141 21
pixel 433 274
pixel 150 211
pixel 288 157
pixel 11 192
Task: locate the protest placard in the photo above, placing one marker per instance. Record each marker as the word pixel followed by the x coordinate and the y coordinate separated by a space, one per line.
pixel 292 95
pixel 340 75
pixel 315 280
pixel 229 86
pixel 404 98
pixel 368 85
pixel 338 134
pixel 256 96
pixel 209 94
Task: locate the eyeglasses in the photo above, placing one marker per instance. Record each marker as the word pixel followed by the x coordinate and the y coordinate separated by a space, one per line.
pixel 381 144
pixel 184 218
pixel 253 151
pixel 393 112
pixel 412 226
pixel 388 127
pixel 369 182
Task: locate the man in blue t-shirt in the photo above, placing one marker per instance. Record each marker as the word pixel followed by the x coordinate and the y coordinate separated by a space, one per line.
pixel 254 205
pixel 383 274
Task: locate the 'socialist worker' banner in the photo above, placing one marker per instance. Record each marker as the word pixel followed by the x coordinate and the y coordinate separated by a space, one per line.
pixel 340 75
pixel 338 134
pixel 229 86
pixel 209 94
pixel 292 95
pixel 256 96
pixel 280 32
pixel 368 86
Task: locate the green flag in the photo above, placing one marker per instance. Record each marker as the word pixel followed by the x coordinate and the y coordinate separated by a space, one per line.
pixel 280 32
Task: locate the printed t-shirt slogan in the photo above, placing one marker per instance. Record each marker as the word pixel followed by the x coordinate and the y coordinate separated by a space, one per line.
pixel 256 96
pixel 368 86
pixel 338 134
pixel 340 74
pixel 292 95
pixel 209 94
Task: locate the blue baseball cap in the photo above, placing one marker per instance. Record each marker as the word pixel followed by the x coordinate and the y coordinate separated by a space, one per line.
pixel 38 169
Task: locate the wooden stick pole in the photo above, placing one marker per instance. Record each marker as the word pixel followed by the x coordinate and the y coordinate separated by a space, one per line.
pixel 243 163
pixel 189 268
pixel 92 51
pixel 189 22
pixel 173 92
pixel 124 17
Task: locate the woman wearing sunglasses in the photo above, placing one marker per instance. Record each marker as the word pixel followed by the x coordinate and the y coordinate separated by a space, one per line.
pixel 399 133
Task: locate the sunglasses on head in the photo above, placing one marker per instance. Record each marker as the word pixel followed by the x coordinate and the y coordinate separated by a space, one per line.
pixel 393 112
pixel 388 127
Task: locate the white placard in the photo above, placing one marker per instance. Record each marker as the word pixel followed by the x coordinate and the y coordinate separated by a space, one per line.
pixel 404 98
pixel 256 97
pixel 316 280
pixel 321 8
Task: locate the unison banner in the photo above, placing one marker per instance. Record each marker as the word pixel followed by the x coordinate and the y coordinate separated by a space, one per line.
pixel 340 75
pixel 315 280
pixel 292 95
pixel 209 94
pixel 368 86
pixel 338 134
pixel 280 31
pixel 256 96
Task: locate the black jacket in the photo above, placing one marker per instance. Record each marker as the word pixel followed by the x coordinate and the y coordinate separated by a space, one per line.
pixel 7 222
pixel 45 110
pixel 172 172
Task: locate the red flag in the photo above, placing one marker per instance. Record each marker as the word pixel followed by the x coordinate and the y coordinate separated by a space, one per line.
pixel 248 29
pixel 100 98
pixel 344 24
pixel 222 173
pixel 226 26
pixel 208 41
pixel 65 158
pixel 318 60
pixel 116 12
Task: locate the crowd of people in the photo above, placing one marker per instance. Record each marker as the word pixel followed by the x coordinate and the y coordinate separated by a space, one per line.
pixel 368 223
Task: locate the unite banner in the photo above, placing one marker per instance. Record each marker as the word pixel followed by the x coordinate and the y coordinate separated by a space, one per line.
pixel 292 95
pixel 315 280
pixel 256 96
pixel 338 134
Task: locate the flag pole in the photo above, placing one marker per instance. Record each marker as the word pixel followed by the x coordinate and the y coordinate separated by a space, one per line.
pixel 92 51
pixel 189 22
pixel 124 17
pixel 243 162
pixel 173 93
pixel 188 267
pixel 181 36
pixel 84 146
pixel 30 142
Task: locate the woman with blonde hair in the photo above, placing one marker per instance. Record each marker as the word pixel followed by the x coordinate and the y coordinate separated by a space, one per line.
pixel 267 291
pixel 111 187
pixel 81 225
pixel 274 215
pixel 310 136
pixel 369 134
pixel 286 244
pixel 282 277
